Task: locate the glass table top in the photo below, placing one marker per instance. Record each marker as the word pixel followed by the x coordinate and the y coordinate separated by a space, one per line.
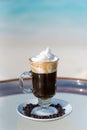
pixel 73 91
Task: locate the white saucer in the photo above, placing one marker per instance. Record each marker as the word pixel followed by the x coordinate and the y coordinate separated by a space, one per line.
pixel 65 105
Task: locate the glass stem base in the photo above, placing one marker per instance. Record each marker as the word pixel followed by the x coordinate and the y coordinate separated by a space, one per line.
pixel 39 111
pixel 44 109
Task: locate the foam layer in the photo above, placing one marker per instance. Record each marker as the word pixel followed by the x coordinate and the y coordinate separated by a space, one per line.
pixel 45 55
pixel 43 67
pixel 45 62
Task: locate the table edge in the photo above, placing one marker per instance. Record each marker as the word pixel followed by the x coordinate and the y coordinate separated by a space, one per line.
pixel 64 84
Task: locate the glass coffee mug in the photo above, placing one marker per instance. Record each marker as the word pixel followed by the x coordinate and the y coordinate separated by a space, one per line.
pixel 43 74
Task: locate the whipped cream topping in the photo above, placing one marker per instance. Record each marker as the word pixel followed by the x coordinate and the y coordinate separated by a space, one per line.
pixel 45 55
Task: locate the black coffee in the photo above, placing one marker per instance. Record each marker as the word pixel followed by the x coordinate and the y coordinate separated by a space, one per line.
pixel 44 85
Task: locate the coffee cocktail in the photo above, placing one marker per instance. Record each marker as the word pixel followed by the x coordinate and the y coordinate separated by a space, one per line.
pixel 44 72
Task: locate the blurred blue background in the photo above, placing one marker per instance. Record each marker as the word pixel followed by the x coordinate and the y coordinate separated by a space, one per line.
pixel 32 16
pixel 28 26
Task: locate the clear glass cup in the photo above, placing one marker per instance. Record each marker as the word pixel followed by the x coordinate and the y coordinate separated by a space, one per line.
pixel 43 76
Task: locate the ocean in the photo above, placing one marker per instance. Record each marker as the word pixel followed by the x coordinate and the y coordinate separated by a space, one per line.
pixel 43 16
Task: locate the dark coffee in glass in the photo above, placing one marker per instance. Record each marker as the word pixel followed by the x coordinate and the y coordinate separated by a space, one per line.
pixel 44 85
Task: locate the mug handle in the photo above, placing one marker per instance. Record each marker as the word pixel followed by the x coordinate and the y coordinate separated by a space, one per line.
pixel 21 81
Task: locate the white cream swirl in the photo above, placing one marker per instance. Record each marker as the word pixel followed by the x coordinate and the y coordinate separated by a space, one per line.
pixel 45 55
